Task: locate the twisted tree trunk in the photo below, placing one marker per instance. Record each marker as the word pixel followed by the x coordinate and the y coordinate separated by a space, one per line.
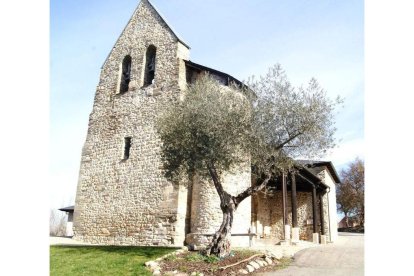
pixel 220 245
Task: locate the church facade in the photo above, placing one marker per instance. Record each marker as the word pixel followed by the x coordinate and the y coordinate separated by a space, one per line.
pixel 123 197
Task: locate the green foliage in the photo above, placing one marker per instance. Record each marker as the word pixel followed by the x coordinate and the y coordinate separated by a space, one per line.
pixel 183 268
pixel 283 263
pixel 102 260
pixel 288 122
pixel 245 252
pixel 266 124
pixel 197 257
pixel 211 124
pixel 211 259
pixel 171 257
pixel 194 257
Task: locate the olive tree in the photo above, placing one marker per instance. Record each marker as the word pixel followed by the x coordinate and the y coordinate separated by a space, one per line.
pixel 215 128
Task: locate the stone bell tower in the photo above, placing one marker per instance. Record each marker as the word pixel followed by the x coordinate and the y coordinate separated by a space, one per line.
pixel 122 196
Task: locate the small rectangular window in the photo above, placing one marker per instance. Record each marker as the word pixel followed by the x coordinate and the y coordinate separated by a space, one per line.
pixel 127 147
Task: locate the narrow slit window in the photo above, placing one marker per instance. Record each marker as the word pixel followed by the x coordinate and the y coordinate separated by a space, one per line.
pixel 127 147
pixel 150 65
pixel 126 74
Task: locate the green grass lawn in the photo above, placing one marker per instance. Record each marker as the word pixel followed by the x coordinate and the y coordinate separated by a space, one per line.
pixel 102 260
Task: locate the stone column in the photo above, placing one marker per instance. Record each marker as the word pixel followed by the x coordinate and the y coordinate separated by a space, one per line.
pixel 295 228
pixel 206 215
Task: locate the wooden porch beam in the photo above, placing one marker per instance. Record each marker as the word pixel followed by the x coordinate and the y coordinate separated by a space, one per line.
pixel 294 200
pixel 284 198
pixel 315 226
pixel 306 179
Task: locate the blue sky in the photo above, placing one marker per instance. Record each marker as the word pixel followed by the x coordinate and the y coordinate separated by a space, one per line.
pixel 322 39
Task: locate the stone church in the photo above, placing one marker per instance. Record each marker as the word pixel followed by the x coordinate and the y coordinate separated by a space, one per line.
pixel 123 197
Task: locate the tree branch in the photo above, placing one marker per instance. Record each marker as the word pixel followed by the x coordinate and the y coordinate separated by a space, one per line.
pixel 217 184
pixel 249 191
pixel 288 140
pixel 242 261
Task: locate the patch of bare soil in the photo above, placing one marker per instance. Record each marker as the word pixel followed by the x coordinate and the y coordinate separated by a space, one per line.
pixel 190 262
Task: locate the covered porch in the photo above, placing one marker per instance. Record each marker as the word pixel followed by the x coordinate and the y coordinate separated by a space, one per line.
pixel 294 208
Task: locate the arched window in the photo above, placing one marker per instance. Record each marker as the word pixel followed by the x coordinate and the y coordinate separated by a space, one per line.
pixel 150 65
pixel 126 74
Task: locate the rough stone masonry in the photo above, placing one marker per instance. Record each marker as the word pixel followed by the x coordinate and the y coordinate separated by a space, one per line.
pixel 122 196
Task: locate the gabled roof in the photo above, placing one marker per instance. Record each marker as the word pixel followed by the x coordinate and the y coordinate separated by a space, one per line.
pixel 213 71
pixel 68 209
pixel 315 167
pixel 168 25
pixel 162 18
pixel 310 176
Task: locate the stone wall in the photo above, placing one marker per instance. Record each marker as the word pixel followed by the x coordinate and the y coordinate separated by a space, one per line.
pixel 267 212
pixel 129 201
pixel 326 214
pixel 331 220
pixel 206 215
pixel 268 215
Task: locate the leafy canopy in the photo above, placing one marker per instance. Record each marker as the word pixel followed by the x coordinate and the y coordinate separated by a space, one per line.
pixel 211 124
pixel 289 122
pixel 269 122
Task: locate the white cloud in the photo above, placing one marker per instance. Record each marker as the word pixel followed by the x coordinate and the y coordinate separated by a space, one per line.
pixel 346 152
